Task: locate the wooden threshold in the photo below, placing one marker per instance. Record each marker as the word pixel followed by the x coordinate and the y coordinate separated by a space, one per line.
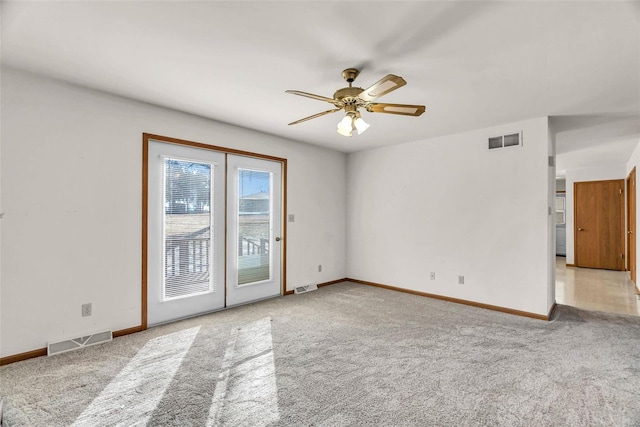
pixel 571 265
pixel 458 300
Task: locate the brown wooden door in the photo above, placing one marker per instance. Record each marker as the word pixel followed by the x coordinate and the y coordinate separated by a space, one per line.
pixel 599 224
pixel 631 224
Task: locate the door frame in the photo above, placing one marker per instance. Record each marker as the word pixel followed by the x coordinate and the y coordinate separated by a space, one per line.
pixel 575 219
pixel 631 225
pixel 146 137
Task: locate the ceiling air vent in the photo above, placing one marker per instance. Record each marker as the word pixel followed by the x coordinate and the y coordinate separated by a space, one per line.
pixel 509 140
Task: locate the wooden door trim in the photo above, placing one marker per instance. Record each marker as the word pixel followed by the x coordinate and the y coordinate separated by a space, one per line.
pixel 146 137
pixel 575 224
pixel 622 223
pixel 629 196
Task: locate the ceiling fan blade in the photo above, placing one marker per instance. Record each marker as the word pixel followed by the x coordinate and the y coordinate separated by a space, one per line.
pixel 314 116
pixel 310 95
pixel 403 109
pixel 382 87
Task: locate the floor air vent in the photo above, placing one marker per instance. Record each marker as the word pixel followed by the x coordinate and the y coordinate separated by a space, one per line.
pixel 305 288
pixel 77 343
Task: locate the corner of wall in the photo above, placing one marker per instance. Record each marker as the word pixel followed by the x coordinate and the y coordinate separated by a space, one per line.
pixel 551 222
pixel 439 205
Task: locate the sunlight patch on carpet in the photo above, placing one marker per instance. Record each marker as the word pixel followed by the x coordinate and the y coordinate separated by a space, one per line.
pixel 246 393
pixel 132 396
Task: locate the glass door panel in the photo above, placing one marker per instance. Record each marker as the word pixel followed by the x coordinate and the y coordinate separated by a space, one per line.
pixel 187 228
pixel 253 229
pixel 254 226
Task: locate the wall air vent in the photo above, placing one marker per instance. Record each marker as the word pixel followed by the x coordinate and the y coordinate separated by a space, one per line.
pixel 502 141
pixel 77 343
pixel 305 288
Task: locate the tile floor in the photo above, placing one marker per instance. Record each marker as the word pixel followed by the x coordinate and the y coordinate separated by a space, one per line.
pixel 592 289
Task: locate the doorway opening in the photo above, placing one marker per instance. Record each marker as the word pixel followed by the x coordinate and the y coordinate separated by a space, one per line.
pixel 213 229
pixel 596 278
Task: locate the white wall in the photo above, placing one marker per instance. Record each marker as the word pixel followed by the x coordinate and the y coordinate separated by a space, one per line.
pixel 581 175
pixel 449 205
pixel 71 192
pixel 634 160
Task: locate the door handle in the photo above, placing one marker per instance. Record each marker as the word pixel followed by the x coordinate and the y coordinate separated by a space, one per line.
pixel 580 229
pixel 278 239
pixel 629 232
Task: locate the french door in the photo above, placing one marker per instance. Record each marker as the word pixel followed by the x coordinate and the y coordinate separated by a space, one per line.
pixel 253 227
pixel 213 230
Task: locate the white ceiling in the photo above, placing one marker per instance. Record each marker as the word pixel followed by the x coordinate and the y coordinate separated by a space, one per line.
pixel 473 64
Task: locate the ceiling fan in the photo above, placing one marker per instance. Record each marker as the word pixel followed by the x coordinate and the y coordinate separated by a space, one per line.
pixel 350 99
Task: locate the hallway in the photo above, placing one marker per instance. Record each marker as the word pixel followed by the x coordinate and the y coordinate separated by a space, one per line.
pixel 592 289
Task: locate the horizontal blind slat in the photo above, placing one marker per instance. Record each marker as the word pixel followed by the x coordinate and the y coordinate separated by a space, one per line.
pixel 188 230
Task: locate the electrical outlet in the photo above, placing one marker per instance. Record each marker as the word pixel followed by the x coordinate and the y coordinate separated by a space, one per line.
pixel 319 268
pixel 432 275
pixel 292 218
pixel 461 280
pixel 86 309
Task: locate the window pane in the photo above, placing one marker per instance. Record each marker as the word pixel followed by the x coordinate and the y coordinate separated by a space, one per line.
pixel 254 226
pixel 187 228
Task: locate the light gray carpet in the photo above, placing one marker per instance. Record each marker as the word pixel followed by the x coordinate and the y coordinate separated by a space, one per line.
pixel 346 354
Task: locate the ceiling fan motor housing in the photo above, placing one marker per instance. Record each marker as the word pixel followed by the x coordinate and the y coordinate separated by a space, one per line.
pixel 349 96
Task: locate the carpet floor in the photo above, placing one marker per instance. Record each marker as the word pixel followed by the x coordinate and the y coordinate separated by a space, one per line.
pixel 345 355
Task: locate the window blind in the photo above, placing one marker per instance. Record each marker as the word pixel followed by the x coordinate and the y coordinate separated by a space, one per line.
pixel 187 228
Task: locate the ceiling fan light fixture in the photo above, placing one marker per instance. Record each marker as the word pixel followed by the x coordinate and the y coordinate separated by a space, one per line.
pixel 352 122
pixel 361 125
pixel 345 127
